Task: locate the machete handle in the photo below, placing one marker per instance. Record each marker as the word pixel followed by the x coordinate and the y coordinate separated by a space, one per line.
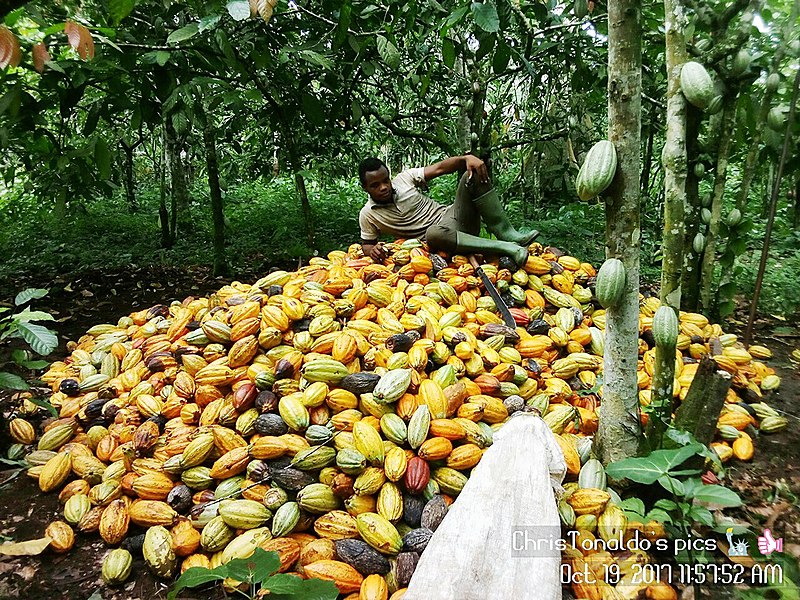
pixel 473 261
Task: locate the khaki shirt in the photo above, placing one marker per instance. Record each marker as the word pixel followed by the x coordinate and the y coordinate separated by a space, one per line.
pixel 409 214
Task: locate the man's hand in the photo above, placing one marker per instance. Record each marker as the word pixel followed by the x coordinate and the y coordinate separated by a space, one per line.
pixel 375 251
pixel 476 168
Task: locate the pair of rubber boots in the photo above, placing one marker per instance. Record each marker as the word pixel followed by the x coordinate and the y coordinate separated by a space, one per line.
pixel 510 241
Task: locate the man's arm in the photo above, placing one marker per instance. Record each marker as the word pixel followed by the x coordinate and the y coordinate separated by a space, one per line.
pixel 374 250
pixel 473 165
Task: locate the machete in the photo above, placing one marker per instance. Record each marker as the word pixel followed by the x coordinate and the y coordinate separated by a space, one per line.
pixel 508 319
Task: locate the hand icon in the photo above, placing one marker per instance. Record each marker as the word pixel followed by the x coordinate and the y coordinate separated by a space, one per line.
pixel 767 544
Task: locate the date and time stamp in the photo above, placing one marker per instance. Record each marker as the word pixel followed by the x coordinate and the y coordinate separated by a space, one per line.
pixel 741 570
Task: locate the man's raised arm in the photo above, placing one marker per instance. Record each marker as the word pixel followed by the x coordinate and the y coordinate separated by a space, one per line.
pixel 473 165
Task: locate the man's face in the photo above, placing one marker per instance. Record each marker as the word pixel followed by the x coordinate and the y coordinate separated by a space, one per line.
pixel 378 185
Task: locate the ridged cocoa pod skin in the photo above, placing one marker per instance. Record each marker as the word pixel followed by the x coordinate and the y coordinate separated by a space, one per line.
pixel 433 513
pixel 406 565
pixel 417 540
pixel 114 522
pixel 62 538
pixel 362 557
pixel 117 566
pixel 158 553
pixel 412 509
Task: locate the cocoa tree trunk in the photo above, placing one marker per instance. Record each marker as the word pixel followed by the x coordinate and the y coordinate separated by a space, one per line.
pixel 217 213
pixel 163 215
pixel 180 195
pixel 619 432
pixel 674 155
pixel 130 190
pixel 720 177
pixel 300 184
pixel 796 219
pixel 690 276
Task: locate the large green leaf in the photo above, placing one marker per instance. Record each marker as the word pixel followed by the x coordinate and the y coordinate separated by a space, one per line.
pixel 648 469
pixel 239 10
pixel 33 315
pixel 197 576
pixel 119 9
pixel 485 15
pixel 448 53
pixel 29 294
pixel 102 157
pixel 9 381
pixel 388 52
pixel 184 33
pixel 41 340
pixel 718 495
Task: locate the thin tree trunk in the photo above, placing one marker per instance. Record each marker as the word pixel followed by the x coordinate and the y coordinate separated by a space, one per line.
pixel 662 395
pixel 762 265
pixel 648 158
pixel 674 155
pixel 796 220
pixel 300 183
pixel 180 195
pixel 619 432
pixel 720 176
pixel 130 190
pixel 276 165
pixel 217 213
pixel 690 276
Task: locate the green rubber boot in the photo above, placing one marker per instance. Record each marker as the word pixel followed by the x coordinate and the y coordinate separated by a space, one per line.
pixel 470 244
pixel 496 219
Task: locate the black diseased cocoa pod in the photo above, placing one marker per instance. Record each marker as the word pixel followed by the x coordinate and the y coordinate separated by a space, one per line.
pixel 266 401
pixel 434 512
pixel 180 499
pixel 538 327
pixel 292 479
pixel 417 540
pixel 360 383
pixel 362 557
pixel 270 424
pixel 406 565
pixel 412 509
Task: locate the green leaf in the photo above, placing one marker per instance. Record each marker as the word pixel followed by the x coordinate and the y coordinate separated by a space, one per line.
pixel 388 52
pixel 313 110
pixel 659 515
pixel 501 58
pixel 648 469
pixel 242 569
pixel 702 515
pixel 672 485
pixel 315 589
pixel 9 381
pixel 184 33
pixel 282 583
pixel 162 57
pixel 41 340
pixel 314 58
pixel 485 15
pixel 264 563
pixel 666 504
pixel 41 402
pixel 30 294
pixel 718 495
pixel 456 16
pixel 34 365
pixel 119 9
pixel 634 505
pixel 239 10
pixel 448 53
pixel 33 315
pixel 102 157
pixel 197 576
pixel 208 23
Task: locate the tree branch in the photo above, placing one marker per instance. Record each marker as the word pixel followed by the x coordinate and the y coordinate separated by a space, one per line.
pixel 407 133
pixel 545 138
